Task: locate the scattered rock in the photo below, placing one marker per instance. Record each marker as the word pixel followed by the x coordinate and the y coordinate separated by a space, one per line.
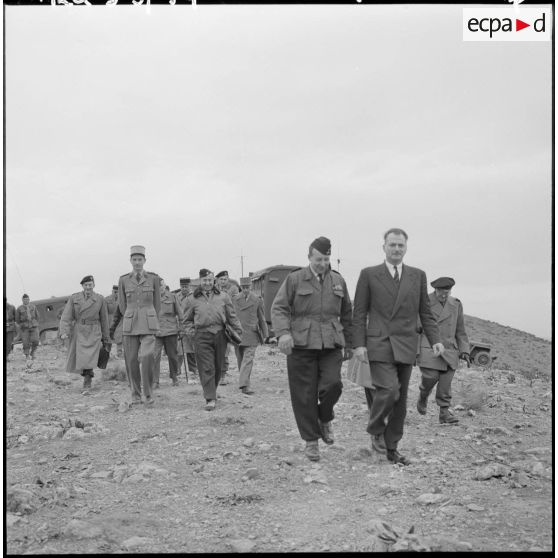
pixel 429 498
pixel 20 500
pixel 264 447
pixel 12 519
pixel 539 450
pixel 538 468
pixel 442 544
pixel 250 474
pixel 498 430
pixel 134 478
pixel 492 470
pixel 134 542
pixel 459 408
pixel 249 442
pixel 75 434
pixel 241 545
pixel 46 432
pixel 79 529
pixel 475 508
pixel 101 475
pixel 98 408
pixel 472 413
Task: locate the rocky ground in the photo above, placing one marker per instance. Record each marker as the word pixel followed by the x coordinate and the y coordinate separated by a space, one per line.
pixel 90 474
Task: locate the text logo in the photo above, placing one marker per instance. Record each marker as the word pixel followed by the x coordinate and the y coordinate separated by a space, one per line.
pixel 507 24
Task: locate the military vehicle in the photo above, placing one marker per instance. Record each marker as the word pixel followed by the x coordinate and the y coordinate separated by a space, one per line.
pixel 480 353
pixel 266 283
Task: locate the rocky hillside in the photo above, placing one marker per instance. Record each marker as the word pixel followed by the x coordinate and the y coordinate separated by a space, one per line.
pixel 515 350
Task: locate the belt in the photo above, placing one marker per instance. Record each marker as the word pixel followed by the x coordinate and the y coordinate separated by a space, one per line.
pixel 90 322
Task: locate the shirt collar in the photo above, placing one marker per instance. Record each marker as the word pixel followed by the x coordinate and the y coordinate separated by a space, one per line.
pixel 392 271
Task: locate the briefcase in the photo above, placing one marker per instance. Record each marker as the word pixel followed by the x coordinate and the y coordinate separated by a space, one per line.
pixel 104 355
pixel 231 335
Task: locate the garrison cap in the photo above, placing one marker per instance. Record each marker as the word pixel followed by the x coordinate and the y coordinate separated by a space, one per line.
pixel 185 281
pixel 25 296
pixel 205 272
pixel 140 250
pixel 115 287
pixel 443 283
pixel 86 279
pixel 322 245
pixel 245 281
pixel 222 274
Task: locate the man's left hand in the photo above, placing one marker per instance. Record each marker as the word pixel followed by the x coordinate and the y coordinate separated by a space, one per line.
pixel 347 354
pixel 438 349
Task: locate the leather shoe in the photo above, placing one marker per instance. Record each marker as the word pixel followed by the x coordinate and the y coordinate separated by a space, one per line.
pixel 421 404
pixel 223 381
pixel 149 401
pixel 210 405
pixel 175 381
pixel 246 391
pixel 395 457
pixel 326 430
pixel 447 417
pixel 378 443
pixel 312 451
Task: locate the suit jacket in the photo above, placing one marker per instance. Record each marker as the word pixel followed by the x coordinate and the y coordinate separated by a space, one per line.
pixel 139 303
pixel 452 331
pixel 250 312
pixel 385 315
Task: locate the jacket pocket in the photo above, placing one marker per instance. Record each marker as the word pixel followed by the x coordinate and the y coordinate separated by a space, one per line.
pixel 338 337
pixel 300 330
pixel 127 322
pixel 373 332
pixel 152 321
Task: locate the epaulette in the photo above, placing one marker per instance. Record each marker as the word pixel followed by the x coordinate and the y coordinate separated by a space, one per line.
pixel 125 274
pixel 151 273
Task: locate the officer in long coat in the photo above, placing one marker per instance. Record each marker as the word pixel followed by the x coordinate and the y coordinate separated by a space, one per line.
pixel 207 311
pixel 87 312
pixel 439 370
pixel 112 305
pixel 250 312
pixel 10 327
pixel 311 317
pixel 171 323
pixel 185 343
pixel 139 300
pixel 27 319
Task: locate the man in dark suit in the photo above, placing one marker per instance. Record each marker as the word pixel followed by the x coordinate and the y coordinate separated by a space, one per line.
pixel 388 300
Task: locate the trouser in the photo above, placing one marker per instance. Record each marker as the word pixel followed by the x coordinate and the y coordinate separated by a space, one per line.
pixel 389 402
pixel 369 394
pixel 171 348
pixel 139 358
pixel 9 341
pixel 431 377
pixel 245 359
pixel 210 355
pixel 191 360
pixel 30 339
pixel 225 366
pixel 315 387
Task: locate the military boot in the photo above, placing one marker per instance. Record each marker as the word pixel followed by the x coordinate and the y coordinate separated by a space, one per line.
pixel 422 402
pixel 87 381
pixel 312 451
pixel 447 417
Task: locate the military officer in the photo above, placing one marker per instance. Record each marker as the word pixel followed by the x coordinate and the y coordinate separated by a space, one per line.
pixel 439 370
pixel 139 300
pixel 226 286
pixel 112 305
pixel 171 321
pixel 27 319
pixel 250 312
pixel 311 316
pixel 10 325
pixel 185 343
pixel 207 311
pixel 87 312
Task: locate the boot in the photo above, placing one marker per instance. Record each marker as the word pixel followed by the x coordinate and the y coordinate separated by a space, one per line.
pixel 87 381
pixel 422 402
pixel 447 417
pixel 312 451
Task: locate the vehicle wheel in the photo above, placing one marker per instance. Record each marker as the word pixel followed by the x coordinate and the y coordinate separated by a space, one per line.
pixel 482 359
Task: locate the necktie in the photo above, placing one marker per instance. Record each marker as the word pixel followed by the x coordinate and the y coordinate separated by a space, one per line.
pixel 396 274
pixel 320 278
pixel 138 276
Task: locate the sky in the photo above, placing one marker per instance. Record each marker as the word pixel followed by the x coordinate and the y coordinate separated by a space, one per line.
pixel 229 137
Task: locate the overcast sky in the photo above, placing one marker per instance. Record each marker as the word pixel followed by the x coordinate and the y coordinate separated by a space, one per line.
pixel 203 133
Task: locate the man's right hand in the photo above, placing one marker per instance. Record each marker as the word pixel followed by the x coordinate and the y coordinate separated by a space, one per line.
pixel 286 343
pixel 111 333
pixel 361 354
pixel 63 337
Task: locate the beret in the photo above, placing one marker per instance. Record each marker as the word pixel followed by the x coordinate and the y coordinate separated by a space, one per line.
pixel 222 274
pixel 443 283
pixel 86 279
pixel 322 245
pixel 205 272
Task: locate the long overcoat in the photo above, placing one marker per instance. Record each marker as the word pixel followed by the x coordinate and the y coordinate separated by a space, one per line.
pixel 385 314
pixel 250 312
pixel 452 331
pixel 90 319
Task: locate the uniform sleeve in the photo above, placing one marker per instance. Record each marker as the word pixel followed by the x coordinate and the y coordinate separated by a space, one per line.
pixel 429 325
pixel 103 314
pixel 460 333
pixel 117 317
pixel 346 316
pixel 17 318
pixel 179 313
pixel 360 311
pixel 261 319
pixel 281 308
pixel 67 317
pixel 232 318
pixel 156 294
pixel 189 312
pixel 122 300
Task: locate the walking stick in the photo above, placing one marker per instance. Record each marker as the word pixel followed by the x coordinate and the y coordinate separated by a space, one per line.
pixel 185 359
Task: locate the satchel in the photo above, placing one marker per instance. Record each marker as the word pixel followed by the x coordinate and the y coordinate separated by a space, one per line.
pixel 104 355
pixel 231 335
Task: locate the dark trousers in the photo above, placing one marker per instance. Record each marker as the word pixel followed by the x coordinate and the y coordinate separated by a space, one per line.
pixel 431 377
pixel 30 340
pixel 389 400
pixel 191 360
pixel 315 386
pixel 369 394
pixel 171 348
pixel 87 372
pixel 210 355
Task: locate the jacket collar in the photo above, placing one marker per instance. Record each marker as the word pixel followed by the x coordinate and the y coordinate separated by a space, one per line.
pixel 200 292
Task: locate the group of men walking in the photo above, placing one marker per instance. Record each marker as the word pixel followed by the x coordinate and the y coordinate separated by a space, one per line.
pixel 393 324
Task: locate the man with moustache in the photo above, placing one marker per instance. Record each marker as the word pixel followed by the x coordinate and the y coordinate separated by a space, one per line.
pixel 311 317
pixel 388 300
